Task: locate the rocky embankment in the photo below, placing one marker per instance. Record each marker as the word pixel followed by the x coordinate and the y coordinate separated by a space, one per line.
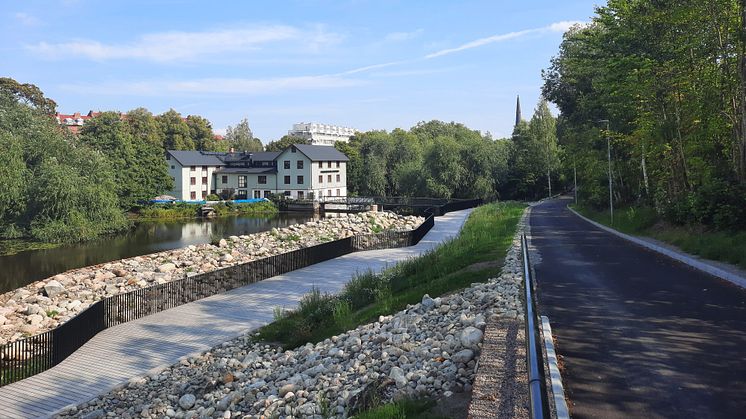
pixel 430 349
pixel 45 304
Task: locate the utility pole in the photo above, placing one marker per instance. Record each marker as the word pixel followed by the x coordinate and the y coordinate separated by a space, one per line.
pixel 608 156
pixel 575 180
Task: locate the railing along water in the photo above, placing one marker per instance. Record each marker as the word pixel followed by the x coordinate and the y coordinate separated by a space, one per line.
pixel 25 357
pixel 538 400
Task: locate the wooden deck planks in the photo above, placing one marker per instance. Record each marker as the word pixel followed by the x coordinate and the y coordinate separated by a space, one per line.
pixel 132 349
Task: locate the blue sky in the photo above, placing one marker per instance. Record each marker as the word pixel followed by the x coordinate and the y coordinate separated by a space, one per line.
pixel 365 64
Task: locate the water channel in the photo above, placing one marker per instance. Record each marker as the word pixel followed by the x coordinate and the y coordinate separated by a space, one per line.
pixel 146 237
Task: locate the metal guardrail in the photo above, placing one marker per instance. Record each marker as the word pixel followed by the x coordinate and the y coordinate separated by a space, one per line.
pixel 29 356
pixel 538 399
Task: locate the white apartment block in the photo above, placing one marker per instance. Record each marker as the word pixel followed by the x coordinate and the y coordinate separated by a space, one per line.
pixel 301 171
pixel 322 134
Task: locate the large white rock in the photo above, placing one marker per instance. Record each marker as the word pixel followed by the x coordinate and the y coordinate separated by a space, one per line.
pixel 54 288
pixel 166 267
pixel 470 337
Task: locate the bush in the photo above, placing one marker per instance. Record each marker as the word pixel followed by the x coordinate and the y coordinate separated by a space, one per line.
pixel 213 197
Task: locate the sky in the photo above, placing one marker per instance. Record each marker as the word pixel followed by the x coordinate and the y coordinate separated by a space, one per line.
pixel 378 64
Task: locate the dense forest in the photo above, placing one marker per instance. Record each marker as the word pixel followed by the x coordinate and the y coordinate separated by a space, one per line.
pixel 670 78
pixel 449 160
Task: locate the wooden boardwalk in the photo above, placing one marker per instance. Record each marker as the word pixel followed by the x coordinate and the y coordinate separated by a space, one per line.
pixel 133 349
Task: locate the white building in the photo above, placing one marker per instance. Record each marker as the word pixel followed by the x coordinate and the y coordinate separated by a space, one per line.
pixel 301 171
pixel 322 134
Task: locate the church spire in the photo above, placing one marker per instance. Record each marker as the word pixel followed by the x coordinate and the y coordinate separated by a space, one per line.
pixel 517 110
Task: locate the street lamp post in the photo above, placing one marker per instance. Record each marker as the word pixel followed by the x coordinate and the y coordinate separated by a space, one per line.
pixel 608 156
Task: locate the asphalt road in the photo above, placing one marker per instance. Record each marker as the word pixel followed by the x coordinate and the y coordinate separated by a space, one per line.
pixel 639 334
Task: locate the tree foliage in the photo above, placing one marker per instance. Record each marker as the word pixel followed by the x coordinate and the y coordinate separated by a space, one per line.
pixel 52 187
pixel 241 138
pixel 671 79
pixel 284 142
pixel 28 94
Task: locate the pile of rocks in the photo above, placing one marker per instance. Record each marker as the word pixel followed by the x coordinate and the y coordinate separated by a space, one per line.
pixel 430 349
pixel 45 304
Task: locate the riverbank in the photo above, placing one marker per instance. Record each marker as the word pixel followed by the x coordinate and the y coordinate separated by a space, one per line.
pixel 721 246
pixel 188 210
pixel 45 304
pixel 430 349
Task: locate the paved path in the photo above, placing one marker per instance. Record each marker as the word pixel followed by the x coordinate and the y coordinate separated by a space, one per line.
pixel 132 349
pixel 640 334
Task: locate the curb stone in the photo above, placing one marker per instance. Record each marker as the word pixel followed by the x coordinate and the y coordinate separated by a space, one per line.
pixel 678 256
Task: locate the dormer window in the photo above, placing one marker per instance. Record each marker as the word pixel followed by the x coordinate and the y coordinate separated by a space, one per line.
pixel 293 149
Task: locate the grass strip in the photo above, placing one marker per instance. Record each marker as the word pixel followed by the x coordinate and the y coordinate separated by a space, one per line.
pixel 474 255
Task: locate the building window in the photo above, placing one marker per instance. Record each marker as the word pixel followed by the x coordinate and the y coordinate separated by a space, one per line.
pixel 337 165
pixel 225 180
pixel 329 192
pixel 204 194
pixel 262 180
pixel 192 168
pixel 300 164
pixel 267 194
pixel 321 178
pixel 321 165
pixel 338 178
pixel 257 194
pixel 204 167
pixel 168 156
pixel 192 195
pixel 287 180
pixel 204 180
pixel 242 194
pixel 293 149
pixel 287 193
pixel 286 164
pixel 242 181
pixel 329 178
pixel 300 180
pixel 337 192
pixel 192 180
pixel 300 194
pixel 329 164
pixel 173 167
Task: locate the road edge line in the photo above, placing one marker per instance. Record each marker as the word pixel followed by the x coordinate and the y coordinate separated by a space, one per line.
pixel 678 256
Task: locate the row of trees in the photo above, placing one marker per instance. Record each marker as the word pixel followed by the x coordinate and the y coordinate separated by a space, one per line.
pixel 670 77
pixel 449 160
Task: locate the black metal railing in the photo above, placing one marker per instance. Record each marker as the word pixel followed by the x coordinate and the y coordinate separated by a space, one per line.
pixel 538 400
pixel 32 355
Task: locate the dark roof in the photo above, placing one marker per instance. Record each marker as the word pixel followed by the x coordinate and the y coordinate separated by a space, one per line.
pixel 265 155
pixel 195 158
pixel 321 152
pixel 246 170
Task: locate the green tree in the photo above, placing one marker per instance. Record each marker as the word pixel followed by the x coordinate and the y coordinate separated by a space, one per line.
pixel 175 131
pixel 200 131
pixel 543 129
pixel 285 142
pixel 144 126
pixel 28 94
pixel 61 189
pixel 140 170
pixel 241 138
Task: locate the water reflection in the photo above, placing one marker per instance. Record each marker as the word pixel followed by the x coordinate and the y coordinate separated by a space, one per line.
pixel 146 237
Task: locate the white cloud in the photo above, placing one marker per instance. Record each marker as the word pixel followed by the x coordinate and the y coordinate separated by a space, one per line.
pixel 402 36
pixel 218 86
pixel 179 45
pixel 554 27
pixel 26 19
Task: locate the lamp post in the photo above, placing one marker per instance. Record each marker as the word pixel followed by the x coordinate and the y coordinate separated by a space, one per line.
pixel 608 156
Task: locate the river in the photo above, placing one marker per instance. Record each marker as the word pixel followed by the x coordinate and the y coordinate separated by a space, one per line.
pixel 146 237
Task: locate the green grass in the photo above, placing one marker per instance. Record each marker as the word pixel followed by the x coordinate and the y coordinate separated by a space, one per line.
pixel 485 237
pixel 723 246
pixel 404 409
pixel 185 210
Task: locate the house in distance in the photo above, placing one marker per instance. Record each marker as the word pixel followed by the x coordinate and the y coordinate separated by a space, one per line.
pixel 301 171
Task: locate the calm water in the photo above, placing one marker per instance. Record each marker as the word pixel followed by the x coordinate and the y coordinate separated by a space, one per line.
pixel 146 237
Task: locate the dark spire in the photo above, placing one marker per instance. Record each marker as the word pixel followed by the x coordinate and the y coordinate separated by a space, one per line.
pixel 517 110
